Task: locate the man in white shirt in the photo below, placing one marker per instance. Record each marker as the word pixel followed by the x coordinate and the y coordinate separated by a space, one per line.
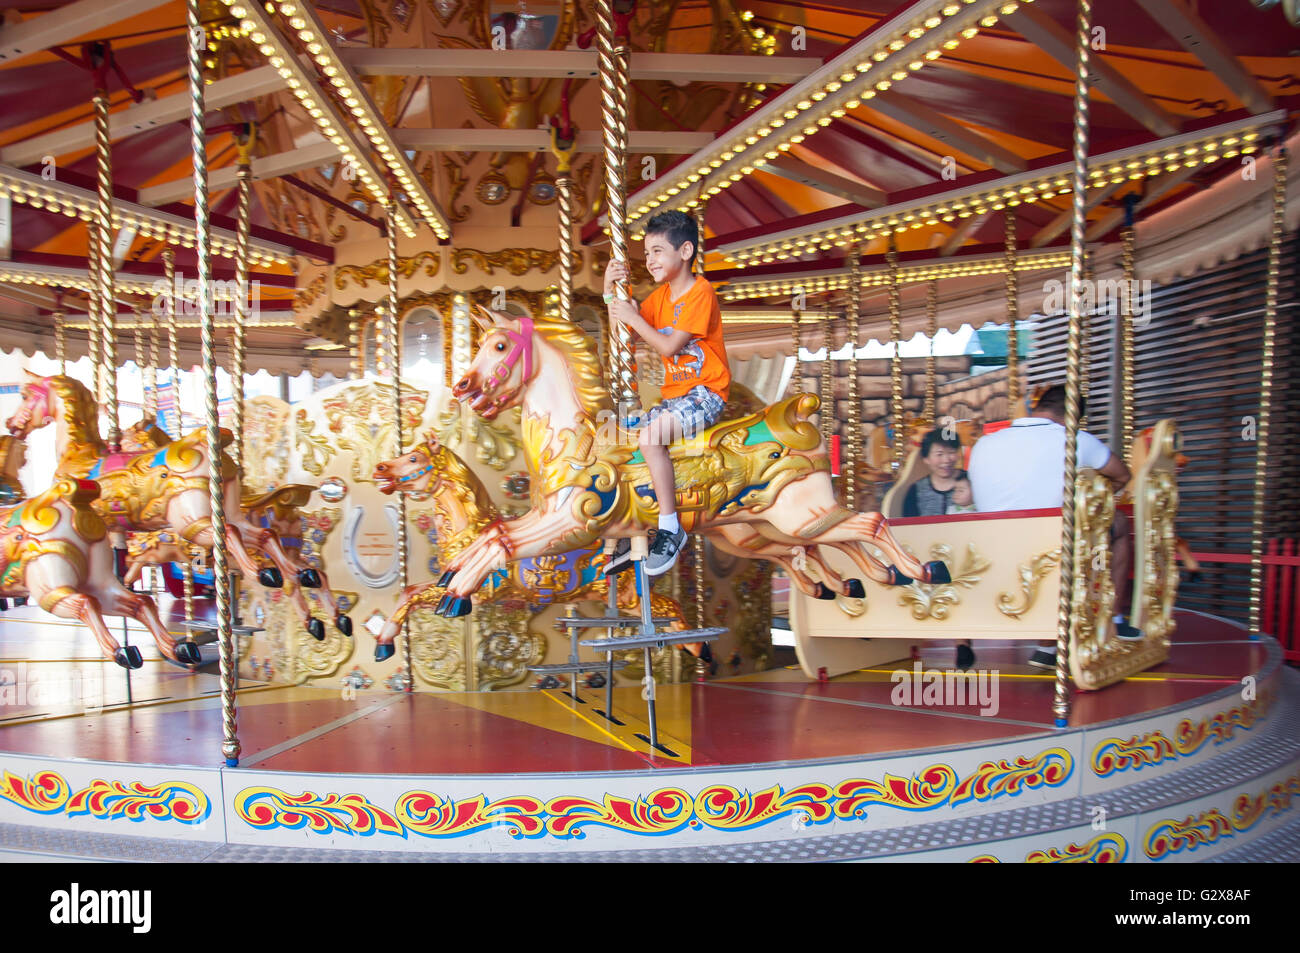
pixel 1023 468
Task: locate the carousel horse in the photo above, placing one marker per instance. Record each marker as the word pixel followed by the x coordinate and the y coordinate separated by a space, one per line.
pixel 767 472
pixel 54 548
pixel 462 509
pixel 162 487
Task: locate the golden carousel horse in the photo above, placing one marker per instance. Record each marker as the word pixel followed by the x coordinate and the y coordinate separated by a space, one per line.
pixel 461 509
pixel 164 487
pixel 765 475
pixel 54 549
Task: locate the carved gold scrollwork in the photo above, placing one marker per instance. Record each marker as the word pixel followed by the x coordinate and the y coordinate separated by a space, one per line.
pixel 936 601
pixel 437 649
pixel 305 296
pixel 1094 591
pixel 505 648
pixel 495 444
pixel 1030 575
pixel 377 271
pixel 361 418
pixel 517 261
pixel 314 448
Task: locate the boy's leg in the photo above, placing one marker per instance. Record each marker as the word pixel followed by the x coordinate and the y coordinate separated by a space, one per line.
pixel 656 437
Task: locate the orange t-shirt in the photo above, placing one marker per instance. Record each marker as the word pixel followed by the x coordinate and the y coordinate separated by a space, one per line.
pixel 704 358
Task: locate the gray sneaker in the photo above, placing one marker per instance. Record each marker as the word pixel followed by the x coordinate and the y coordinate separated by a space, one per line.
pixel 1041 659
pixel 663 551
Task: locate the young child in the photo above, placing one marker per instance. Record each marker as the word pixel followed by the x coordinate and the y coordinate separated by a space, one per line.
pixel 680 320
pixel 962 499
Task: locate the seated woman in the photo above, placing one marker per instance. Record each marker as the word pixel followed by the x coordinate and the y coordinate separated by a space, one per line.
pixel 930 496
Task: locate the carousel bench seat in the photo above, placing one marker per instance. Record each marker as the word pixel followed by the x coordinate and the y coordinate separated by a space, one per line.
pixel 1006 580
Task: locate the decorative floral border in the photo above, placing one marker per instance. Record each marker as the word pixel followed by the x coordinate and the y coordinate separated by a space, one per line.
pixel 1114 755
pixel 1169 836
pixel 1108 848
pixel 48 792
pixel 718 807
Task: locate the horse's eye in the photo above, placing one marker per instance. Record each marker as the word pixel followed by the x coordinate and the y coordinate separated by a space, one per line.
pixel 501 345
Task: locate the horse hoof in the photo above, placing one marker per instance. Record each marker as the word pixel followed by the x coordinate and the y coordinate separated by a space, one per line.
pixel 316 628
pixel 854 589
pixel 188 653
pixel 4 604
pixel 445 579
pixel 309 578
pixel 128 657
pixel 459 607
pixel 822 592
pixel 937 572
pixel 344 624
pixel 896 577
pixel 443 603
pixel 270 577
pixel 384 651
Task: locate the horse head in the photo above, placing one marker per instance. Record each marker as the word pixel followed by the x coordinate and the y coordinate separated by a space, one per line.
pixel 420 470
pixel 36 409
pixel 503 366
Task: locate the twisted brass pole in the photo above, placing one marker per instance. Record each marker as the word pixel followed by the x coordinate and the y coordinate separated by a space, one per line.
pixel 60 335
pixel 1079 220
pixel 151 370
pixel 243 178
pixel 826 420
pixel 1128 408
pixel 173 345
pixel 1085 341
pixel 107 298
pixel 564 206
pixel 896 365
pixel 395 360
pixel 931 329
pixel 216 486
pixel 853 419
pixel 796 379
pixel 1013 312
pixel 1266 389
pixel 612 50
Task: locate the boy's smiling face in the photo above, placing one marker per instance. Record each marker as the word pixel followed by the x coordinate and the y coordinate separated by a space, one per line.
pixel 663 261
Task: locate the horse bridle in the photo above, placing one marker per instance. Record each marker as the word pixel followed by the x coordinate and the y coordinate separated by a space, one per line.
pixel 521 344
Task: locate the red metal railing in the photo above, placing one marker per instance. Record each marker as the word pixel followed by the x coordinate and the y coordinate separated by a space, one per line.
pixel 1281 610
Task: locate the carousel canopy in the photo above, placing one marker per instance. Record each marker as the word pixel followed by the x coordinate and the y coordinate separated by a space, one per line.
pixel 806 131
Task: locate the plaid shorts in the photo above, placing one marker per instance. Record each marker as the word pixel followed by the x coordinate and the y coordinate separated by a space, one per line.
pixel 696 410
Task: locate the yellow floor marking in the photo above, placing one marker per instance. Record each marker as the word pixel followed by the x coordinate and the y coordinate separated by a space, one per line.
pixel 532 708
pixel 568 705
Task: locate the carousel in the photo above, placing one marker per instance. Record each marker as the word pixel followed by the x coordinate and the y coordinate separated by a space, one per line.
pixel 326 523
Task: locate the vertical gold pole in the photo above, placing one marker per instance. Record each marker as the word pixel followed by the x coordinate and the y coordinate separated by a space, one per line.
pixel 853 419
pixel 796 378
pixel 216 485
pixel 1266 389
pixel 826 419
pixel 354 348
pixel 173 344
pixel 1079 220
pixel 107 298
pixel 243 179
pixel 931 329
pixel 896 365
pixel 563 187
pixel 395 360
pixel 151 370
pixel 1128 409
pixel 60 336
pixel 613 101
pixel 1013 312
pixel 1085 341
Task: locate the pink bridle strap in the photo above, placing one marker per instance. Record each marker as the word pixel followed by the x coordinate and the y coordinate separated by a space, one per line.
pixel 522 344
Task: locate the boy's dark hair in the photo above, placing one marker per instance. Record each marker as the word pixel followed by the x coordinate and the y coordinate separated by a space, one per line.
pixel 1053 399
pixel 677 227
pixel 936 436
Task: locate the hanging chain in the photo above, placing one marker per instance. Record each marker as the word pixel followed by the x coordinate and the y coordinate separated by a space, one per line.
pixel 853 420
pixel 395 362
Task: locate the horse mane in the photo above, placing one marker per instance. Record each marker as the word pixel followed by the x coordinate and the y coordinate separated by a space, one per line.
pixel 80 412
pixel 577 348
pixel 456 475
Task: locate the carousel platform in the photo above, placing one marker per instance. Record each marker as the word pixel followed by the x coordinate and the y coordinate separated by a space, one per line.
pixel 1196 760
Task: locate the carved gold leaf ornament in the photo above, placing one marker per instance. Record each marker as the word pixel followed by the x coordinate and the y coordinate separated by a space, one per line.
pixel 315 449
pixel 505 647
pixel 361 419
pixel 517 261
pixel 494 443
pixel 377 271
pixel 936 601
pixel 1030 576
pixel 1094 591
pixel 304 297
pixel 438 649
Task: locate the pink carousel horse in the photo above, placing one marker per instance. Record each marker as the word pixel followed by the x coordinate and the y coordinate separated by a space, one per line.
pixel 764 476
pixel 54 549
pixel 163 487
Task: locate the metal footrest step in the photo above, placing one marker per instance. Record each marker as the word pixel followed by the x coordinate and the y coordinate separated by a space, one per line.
pixel 617 622
pixel 565 668
pixel 205 632
pixel 658 640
